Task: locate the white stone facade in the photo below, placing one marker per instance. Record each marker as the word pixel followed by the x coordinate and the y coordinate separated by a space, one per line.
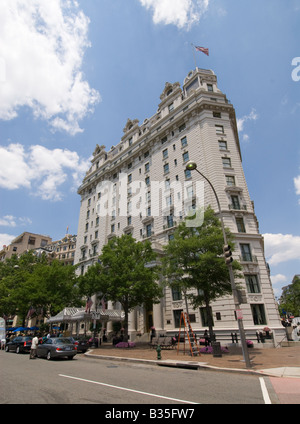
pixel 141 186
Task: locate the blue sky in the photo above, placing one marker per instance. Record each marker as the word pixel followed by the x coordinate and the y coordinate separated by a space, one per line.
pixel 73 72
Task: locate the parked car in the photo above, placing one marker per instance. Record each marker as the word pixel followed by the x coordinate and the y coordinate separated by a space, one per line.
pixel 19 344
pixel 56 347
pixel 82 343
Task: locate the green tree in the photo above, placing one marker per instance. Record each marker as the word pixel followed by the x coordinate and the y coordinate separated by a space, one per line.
pixel 127 273
pixel 194 262
pixel 29 281
pixel 290 299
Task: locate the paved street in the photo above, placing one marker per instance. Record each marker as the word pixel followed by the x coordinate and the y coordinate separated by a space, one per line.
pixel 94 381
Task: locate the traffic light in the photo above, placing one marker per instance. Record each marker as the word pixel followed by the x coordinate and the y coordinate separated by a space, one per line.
pixel 227 254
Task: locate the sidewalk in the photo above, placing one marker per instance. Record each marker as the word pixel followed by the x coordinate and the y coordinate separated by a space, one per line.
pixel 280 362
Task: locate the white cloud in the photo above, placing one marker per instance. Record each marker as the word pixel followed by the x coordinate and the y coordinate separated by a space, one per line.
pixel 297 185
pixel 6 239
pixel 281 248
pixel 42 44
pixel 182 13
pixel 241 122
pixel 12 221
pixel 39 169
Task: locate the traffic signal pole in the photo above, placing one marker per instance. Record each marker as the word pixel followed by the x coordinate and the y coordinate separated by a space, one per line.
pixel 228 260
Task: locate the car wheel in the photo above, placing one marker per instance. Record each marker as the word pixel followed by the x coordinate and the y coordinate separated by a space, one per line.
pixel 49 355
pixel 18 349
pixel 6 348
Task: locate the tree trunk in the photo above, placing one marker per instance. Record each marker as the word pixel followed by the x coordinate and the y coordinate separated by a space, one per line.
pixel 210 320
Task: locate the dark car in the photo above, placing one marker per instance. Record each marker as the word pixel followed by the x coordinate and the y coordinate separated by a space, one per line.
pixel 19 344
pixel 82 343
pixel 56 347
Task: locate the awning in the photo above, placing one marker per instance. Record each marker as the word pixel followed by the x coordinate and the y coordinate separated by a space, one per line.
pixel 79 314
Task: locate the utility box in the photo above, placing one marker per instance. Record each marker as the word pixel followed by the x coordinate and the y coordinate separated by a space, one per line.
pixel 216 347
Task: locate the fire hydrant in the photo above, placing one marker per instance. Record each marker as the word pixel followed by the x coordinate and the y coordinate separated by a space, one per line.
pixel 158 350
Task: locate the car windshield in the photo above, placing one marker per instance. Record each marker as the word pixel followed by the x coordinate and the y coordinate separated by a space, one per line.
pixel 62 340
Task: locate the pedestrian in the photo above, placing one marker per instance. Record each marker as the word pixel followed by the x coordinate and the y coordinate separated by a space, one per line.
pixel 206 338
pixel 34 344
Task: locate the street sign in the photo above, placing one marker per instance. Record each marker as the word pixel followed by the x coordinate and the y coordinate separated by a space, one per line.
pixel 239 314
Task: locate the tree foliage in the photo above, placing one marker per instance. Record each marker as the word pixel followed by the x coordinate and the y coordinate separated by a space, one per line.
pixel 290 299
pixel 30 281
pixel 194 262
pixel 126 273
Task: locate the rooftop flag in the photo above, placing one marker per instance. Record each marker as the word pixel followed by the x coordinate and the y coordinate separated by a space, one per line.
pixel 202 49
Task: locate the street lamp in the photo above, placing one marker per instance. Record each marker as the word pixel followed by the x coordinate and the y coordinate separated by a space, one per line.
pixel 192 166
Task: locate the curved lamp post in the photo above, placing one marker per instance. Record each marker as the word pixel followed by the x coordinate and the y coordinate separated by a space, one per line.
pixel 192 166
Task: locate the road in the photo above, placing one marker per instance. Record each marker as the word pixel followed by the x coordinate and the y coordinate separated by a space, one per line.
pixel 94 381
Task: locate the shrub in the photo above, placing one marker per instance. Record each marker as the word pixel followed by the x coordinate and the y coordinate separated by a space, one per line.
pixel 125 344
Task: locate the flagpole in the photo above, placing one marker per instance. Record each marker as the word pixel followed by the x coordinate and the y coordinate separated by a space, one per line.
pixel 194 54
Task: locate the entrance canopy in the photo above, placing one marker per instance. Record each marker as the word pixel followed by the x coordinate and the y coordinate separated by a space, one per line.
pixel 79 314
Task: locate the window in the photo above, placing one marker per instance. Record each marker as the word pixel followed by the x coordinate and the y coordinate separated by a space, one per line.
pixel 176 294
pixel 96 234
pixel 164 140
pixel 87 226
pixel 129 178
pixel 166 168
pixel 146 154
pixel 185 156
pixel 188 173
pixel 129 220
pixel 147 167
pixel 190 192
pixel 171 107
pixel 97 220
pixel 130 141
pixel 148 230
pixel 169 200
pixel 222 145
pixel 31 241
pixel 219 129
pixel 252 284
pixel 112 228
pixel 230 180
pixel 182 128
pixel 177 315
pixel 235 203
pixel 240 225
pixel 170 222
pixel 258 314
pixel 217 114
pixel 226 162
pixel 147 181
pixel 204 317
pixel 165 153
pixel 246 252
pixel 210 87
pixel 183 142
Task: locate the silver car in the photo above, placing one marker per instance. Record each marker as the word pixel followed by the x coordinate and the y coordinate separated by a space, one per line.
pixel 56 347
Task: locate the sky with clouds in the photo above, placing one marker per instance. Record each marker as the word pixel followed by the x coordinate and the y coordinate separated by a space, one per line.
pixel 73 71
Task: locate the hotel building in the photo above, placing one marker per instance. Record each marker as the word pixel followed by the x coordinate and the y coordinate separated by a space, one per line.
pixel 141 186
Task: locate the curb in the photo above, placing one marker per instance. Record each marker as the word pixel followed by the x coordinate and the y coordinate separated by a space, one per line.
pixel 179 364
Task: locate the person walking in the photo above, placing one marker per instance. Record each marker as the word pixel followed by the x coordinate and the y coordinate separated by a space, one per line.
pixel 34 344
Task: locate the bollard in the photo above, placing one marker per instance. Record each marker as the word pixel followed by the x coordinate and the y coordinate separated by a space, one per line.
pixel 158 350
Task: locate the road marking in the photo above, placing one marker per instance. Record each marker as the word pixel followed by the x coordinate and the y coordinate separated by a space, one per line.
pixel 126 389
pixel 264 391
